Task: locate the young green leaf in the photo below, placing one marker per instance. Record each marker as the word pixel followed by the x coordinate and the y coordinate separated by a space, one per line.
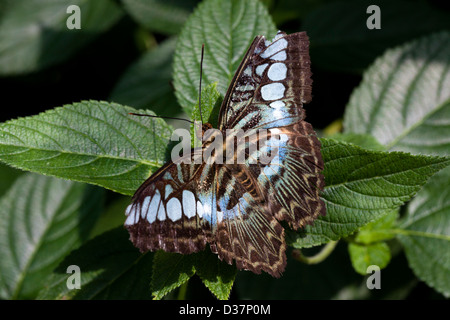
pixel 35 35
pixel 341 40
pixel 361 186
pixel 363 256
pixel 226 28
pixel 378 230
pixel 91 141
pixel 43 218
pixel 110 268
pixel 425 233
pixel 404 98
pixel 162 16
pixel 146 83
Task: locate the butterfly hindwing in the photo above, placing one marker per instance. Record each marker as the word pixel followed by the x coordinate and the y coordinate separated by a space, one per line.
pixel 293 179
pixel 248 233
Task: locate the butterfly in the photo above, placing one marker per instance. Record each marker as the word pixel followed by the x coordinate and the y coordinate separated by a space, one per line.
pixel 238 208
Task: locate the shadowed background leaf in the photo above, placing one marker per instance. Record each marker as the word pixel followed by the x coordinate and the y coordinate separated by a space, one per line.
pixel 165 16
pixel 41 226
pixel 146 83
pixel 111 267
pixel 340 39
pixel 34 35
pixel 404 98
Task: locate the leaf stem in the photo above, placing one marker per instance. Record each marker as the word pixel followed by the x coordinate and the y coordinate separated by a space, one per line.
pixel 321 256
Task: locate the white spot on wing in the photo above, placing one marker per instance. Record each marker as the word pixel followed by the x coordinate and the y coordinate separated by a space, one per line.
pixel 278 112
pixel 200 209
pixel 161 212
pixel 153 207
pixel 174 209
pixel 131 213
pixel 260 69
pixel 272 91
pixel 145 206
pixel 279 35
pixel 277 105
pixel 168 190
pixel 277 71
pixel 219 216
pixel 248 71
pixel 136 215
pixel 188 203
pixel 280 56
pixel 276 46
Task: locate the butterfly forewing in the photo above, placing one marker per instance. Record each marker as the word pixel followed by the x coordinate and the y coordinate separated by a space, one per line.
pixel 237 207
pixel 271 84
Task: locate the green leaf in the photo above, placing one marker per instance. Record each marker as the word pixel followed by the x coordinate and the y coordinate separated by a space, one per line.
pixel 404 98
pixel 171 270
pixel 363 256
pixel 378 230
pixel 364 141
pixel 162 16
pixel 111 268
pixel 227 28
pixel 146 83
pixel 362 186
pixel 340 39
pixel 425 233
pixel 91 141
pixel 35 35
pixel 43 218
pixel 218 276
pixel 9 175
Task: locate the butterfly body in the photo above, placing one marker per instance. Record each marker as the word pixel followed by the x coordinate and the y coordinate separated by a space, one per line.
pixel 232 199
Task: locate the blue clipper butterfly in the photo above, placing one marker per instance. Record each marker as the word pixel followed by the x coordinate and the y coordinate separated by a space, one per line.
pixel 237 208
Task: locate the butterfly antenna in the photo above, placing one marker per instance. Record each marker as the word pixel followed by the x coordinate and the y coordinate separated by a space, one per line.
pixel 200 85
pixel 151 116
